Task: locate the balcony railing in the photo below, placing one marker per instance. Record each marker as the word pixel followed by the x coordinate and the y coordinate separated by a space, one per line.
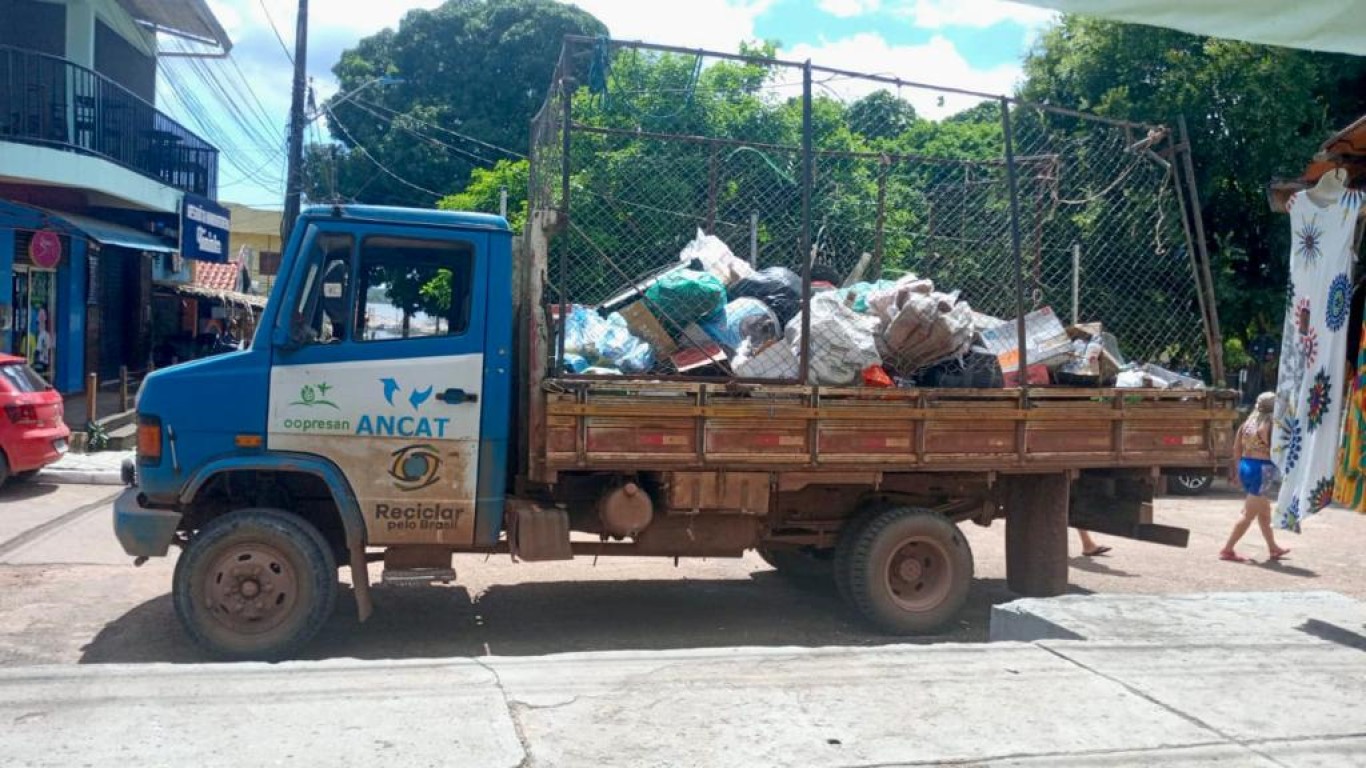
pixel 52 102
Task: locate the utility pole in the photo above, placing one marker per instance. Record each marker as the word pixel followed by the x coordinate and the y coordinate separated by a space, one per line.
pixel 295 174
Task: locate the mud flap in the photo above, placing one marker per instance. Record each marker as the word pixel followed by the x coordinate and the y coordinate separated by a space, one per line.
pixel 1120 503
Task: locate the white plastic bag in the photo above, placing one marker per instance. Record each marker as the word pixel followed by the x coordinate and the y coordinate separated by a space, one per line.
pixel 842 341
pixel 716 258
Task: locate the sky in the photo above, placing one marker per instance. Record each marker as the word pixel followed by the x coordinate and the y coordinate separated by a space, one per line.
pixel 976 45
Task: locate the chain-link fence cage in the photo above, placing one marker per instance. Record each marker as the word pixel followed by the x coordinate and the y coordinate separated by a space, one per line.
pixel 746 218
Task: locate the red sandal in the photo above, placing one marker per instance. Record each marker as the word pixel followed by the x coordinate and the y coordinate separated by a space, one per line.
pixel 1279 553
pixel 1229 555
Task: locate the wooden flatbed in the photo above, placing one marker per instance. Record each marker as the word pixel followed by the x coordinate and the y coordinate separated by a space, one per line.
pixel 640 425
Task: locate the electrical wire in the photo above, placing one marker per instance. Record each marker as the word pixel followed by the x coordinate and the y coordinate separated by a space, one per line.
pixel 373 159
pixel 456 134
pixel 398 123
pixel 278 37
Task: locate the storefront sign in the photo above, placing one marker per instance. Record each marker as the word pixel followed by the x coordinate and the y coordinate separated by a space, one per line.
pixel 45 249
pixel 204 229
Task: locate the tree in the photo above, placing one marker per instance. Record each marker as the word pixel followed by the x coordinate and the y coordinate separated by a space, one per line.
pixel 881 115
pixel 471 74
pixel 1255 113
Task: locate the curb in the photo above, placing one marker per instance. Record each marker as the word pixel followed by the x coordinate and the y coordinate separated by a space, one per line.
pixel 81 476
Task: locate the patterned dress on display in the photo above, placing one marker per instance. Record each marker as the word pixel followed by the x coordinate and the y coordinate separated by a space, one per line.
pixel 1310 394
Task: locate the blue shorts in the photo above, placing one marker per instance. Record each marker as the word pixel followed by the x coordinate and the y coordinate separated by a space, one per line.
pixel 1259 477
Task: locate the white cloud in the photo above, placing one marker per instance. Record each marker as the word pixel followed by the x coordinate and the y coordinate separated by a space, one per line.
pixel 848 8
pixel 710 24
pixel 978 14
pixel 937 62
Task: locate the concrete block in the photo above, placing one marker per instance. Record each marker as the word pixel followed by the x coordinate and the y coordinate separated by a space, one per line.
pixel 1242 618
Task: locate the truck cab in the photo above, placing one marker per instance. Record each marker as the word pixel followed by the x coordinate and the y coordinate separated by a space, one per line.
pixel 371 410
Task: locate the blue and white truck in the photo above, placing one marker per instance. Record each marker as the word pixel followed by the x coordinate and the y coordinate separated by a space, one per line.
pixel 396 405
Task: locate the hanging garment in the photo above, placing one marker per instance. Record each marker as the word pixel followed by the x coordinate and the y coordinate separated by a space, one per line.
pixel 1310 392
pixel 1349 487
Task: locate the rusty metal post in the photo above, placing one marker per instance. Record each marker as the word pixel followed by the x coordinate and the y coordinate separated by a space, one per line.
pixel 711 190
pixel 1216 352
pixel 804 363
pixel 1012 184
pixel 885 166
pixel 123 388
pixel 567 96
pixel 92 393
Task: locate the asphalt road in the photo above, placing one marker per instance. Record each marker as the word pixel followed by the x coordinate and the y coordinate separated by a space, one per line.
pixel 69 595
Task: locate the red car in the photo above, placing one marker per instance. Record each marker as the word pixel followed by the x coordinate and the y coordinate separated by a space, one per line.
pixel 32 433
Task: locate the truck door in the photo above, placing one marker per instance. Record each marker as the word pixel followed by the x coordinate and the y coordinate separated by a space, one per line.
pixel 384 372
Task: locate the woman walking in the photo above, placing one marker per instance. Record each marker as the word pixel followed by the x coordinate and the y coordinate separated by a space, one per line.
pixel 1252 468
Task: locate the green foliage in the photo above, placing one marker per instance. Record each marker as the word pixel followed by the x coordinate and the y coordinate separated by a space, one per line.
pixel 477 67
pixel 483 191
pixel 1255 113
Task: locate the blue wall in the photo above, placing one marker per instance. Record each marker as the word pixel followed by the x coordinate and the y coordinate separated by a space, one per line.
pixel 71 279
pixel 6 283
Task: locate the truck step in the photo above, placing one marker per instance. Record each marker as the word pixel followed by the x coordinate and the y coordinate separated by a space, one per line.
pixel 418 577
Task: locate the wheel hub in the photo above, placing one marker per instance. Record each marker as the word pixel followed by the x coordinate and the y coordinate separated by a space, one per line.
pixel 251 588
pixel 919 574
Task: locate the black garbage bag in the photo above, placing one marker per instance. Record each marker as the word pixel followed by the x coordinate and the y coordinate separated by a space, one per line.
pixel 778 287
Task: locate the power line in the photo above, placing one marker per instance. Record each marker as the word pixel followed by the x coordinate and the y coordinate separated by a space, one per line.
pixel 278 37
pixel 395 122
pixel 377 163
pixel 457 134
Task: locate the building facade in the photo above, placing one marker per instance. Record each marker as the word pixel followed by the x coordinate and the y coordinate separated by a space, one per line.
pixel 100 192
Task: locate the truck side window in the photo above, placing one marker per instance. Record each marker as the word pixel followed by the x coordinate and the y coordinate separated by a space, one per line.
pixel 411 288
pixel 325 301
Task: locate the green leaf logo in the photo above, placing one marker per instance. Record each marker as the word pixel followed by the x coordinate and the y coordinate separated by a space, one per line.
pixel 310 396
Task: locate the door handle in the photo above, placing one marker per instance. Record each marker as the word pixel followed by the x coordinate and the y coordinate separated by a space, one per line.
pixel 456 396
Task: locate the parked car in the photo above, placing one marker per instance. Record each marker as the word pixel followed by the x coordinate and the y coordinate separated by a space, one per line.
pixel 32 433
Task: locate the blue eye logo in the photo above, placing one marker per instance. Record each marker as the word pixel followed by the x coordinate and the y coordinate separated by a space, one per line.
pixel 415 467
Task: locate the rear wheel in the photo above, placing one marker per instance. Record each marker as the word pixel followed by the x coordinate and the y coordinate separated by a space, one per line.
pixel 1192 484
pixel 908 570
pixel 805 567
pixel 255 584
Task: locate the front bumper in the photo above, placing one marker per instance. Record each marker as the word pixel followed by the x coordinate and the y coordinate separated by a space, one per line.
pixel 142 531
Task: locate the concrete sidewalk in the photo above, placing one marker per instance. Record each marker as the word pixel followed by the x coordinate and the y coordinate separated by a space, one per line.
pixel 1285 697
pixel 101 468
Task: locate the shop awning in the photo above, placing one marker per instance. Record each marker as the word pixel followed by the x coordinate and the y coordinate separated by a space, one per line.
pixel 1313 25
pixel 109 233
pixel 191 19
pixel 226 298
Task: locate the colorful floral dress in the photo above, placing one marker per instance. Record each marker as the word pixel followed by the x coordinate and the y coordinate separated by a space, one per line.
pixel 1310 393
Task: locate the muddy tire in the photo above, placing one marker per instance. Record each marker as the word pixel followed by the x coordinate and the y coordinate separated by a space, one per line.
pixel 807 567
pixel 908 570
pixel 848 536
pixel 255 584
pixel 1189 484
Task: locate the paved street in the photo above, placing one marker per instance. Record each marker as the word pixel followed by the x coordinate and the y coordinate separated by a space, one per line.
pixel 69 595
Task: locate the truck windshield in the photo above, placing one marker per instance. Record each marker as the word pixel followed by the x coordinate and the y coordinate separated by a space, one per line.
pixel 412 288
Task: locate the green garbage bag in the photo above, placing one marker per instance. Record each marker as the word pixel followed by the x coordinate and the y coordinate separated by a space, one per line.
pixel 685 296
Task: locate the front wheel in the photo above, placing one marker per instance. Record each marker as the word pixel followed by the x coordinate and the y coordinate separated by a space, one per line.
pixel 909 570
pixel 255 584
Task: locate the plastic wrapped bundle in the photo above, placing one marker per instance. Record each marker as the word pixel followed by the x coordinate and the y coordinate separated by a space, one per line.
pixel 744 319
pixel 928 329
pixel 843 341
pixel 593 344
pixel 778 287
pixel 686 296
